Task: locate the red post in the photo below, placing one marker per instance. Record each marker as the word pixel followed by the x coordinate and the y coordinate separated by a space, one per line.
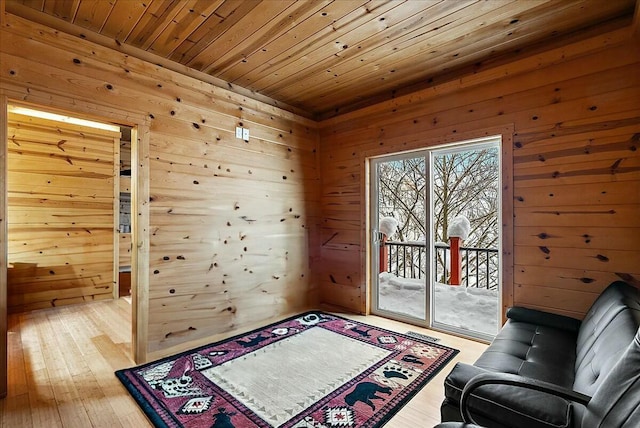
pixel 384 254
pixel 456 261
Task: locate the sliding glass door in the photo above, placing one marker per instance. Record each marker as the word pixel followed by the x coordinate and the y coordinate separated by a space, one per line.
pixel 435 253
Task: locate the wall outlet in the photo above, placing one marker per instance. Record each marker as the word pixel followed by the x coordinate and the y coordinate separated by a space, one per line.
pixel 245 134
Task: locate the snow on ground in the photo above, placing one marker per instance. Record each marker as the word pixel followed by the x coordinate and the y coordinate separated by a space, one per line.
pixel 466 308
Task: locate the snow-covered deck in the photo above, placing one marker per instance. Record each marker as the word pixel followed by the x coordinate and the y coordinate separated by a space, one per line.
pixel 465 308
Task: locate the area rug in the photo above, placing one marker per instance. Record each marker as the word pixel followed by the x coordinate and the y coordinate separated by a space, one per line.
pixel 312 370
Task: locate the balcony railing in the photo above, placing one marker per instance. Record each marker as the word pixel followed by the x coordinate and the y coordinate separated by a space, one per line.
pixel 409 260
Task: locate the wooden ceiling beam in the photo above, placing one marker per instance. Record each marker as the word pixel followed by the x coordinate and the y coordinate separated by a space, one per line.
pixel 467 72
pixel 379 112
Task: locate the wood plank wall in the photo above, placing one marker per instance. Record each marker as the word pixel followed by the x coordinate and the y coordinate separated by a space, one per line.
pixel 61 213
pixel 232 223
pixel 575 114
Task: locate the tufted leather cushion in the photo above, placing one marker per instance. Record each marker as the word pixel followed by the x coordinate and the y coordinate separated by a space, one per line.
pixel 538 352
pixel 606 331
pixel 616 403
pixel 554 349
pixel 535 317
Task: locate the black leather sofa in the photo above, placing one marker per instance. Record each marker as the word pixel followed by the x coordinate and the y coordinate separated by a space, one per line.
pixel 569 354
pixel 615 404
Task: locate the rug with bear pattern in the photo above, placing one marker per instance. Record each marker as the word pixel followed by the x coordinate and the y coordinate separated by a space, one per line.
pixel 311 370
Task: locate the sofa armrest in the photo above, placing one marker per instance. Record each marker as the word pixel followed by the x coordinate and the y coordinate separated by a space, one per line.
pixel 533 316
pixel 518 401
pixel 458 378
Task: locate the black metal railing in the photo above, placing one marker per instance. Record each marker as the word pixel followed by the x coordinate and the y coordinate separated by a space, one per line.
pixel 409 260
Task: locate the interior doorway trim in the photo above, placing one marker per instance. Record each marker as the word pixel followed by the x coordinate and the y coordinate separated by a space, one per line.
pixel 3 246
pixel 140 213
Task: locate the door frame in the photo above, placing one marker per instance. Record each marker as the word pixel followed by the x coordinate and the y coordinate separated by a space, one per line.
pixel 3 247
pixel 429 140
pixel 140 214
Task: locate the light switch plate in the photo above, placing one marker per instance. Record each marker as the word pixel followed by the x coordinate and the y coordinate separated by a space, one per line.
pixel 245 134
pixel 238 132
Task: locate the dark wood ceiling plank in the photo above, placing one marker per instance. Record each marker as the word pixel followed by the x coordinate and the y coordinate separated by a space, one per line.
pixel 184 24
pixel 93 14
pixel 493 40
pixel 325 44
pixel 330 55
pixel 34 4
pixel 153 22
pixel 63 9
pixel 250 25
pixel 299 36
pixel 365 47
pixel 223 18
pixel 274 39
pixel 450 77
pixel 124 16
pixel 419 48
pixel 454 45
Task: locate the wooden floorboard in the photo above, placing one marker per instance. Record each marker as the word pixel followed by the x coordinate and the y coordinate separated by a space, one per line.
pixel 61 364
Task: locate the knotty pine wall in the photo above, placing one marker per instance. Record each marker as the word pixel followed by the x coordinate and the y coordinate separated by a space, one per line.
pixel 61 222
pixel 575 119
pixel 231 224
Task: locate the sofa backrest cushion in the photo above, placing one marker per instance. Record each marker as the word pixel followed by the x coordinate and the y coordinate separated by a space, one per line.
pixel 616 403
pixel 605 333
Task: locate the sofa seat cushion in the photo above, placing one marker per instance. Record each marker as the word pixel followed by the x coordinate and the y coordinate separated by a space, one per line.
pixel 508 406
pixel 533 351
pixel 538 352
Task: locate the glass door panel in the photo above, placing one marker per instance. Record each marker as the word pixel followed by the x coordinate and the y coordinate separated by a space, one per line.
pixel 399 213
pixel 465 193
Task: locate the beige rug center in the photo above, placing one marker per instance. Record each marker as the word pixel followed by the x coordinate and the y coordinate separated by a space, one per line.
pixel 280 380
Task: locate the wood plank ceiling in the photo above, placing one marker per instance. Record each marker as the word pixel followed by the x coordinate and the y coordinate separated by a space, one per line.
pixel 327 57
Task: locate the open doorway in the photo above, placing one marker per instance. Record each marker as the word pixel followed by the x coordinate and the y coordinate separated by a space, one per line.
pixel 135 311
pixel 435 215
pixel 63 199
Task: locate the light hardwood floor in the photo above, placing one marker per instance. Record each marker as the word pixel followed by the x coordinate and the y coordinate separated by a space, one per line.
pixel 61 364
